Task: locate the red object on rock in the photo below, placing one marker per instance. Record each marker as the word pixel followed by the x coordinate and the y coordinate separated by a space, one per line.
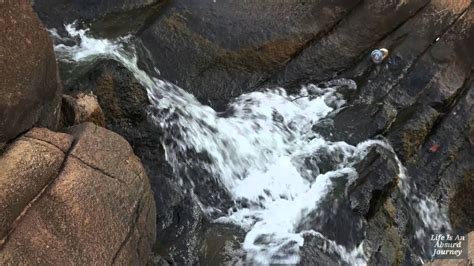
pixel 434 148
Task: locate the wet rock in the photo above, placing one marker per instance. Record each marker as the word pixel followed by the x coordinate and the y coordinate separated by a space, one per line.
pixel 439 173
pixel 125 104
pixel 81 107
pixel 178 227
pixel 335 219
pixel 92 204
pixel 181 224
pixel 179 218
pixel 30 89
pixel 411 128
pixel 328 161
pixel 435 101
pixel 380 227
pixel 317 251
pixel 322 161
pixel 357 123
pixel 217 50
pixel 327 49
pixel 350 41
pixel 461 207
pixel 428 67
pixel 377 176
pixel 408 45
pixel 107 18
pixel 422 79
pixel 221 244
pixel 121 97
pixel 360 211
pixel 427 80
pixel 387 245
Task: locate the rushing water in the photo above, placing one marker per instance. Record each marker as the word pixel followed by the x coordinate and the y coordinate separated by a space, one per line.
pixel 255 152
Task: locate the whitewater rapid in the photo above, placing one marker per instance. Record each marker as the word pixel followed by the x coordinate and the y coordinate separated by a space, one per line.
pixel 256 152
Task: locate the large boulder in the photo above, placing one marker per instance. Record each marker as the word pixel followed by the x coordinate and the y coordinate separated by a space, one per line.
pixel 76 198
pixel 30 91
pixel 28 165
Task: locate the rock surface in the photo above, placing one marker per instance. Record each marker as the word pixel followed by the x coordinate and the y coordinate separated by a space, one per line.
pixel 377 177
pixel 81 107
pixel 421 99
pixel 312 254
pixel 221 245
pixel 461 208
pixel 28 165
pixel 30 90
pixel 112 17
pixel 120 96
pixel 360 210
pixel 227 48
pixel 349 41
pixel 356 123
pixel 81 198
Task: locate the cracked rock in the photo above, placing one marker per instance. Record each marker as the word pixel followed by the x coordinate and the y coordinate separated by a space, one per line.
pixel 89 205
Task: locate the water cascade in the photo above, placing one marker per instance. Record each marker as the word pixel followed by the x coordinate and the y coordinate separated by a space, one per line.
pixel 256 153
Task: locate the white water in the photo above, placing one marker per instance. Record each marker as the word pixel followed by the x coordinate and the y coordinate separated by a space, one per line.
pixel 256 153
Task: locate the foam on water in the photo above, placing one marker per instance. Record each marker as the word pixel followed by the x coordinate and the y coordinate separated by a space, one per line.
pixel 87 47
pixel 255 152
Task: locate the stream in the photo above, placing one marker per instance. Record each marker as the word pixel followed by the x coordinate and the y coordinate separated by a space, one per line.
pixel 257 154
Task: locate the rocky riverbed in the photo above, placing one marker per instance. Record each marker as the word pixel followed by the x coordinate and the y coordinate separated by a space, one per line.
pixel 234 132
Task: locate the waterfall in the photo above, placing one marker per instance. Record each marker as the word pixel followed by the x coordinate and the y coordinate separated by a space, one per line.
pixel 255 152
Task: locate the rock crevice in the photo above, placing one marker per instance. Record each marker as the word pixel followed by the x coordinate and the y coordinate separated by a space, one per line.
pixel 79 215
